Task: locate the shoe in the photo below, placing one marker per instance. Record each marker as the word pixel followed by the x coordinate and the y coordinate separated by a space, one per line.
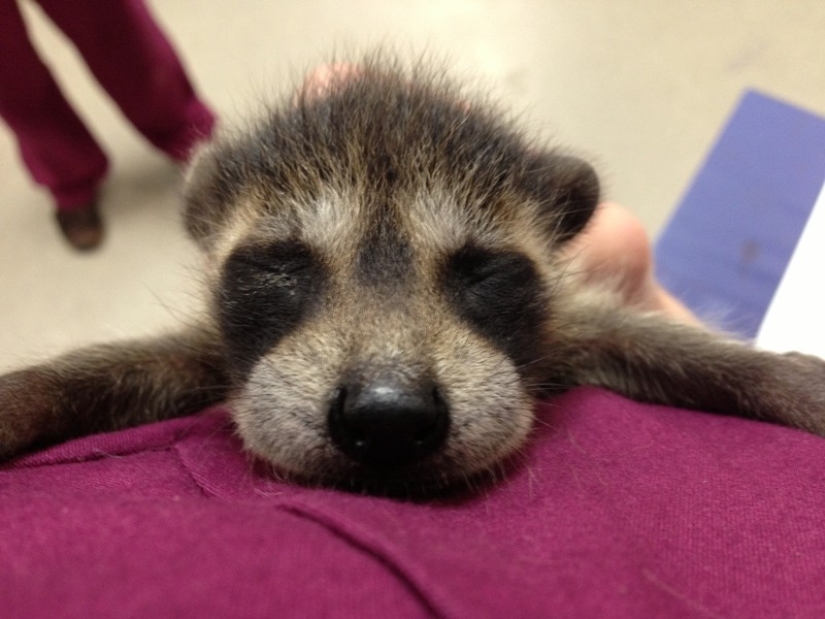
pixel 82 226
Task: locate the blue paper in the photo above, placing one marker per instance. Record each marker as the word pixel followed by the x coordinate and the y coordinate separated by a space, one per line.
pixel 731 237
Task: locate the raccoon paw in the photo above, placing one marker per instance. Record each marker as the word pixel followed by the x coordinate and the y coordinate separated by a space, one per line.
pixel 798 390
pixel 27 404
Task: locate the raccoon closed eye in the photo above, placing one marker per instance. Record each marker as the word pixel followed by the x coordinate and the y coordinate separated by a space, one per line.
pixel 500 294
pixel 265 292
pixel 280 264
pixel 486 273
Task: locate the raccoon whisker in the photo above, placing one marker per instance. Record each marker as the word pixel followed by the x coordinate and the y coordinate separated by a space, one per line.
pixel 444 480
pixel 545 423
pixel 566 270
pixel 499 471
pixel 526 364
pixel 469 482
pixel 545 385
pixel 219 387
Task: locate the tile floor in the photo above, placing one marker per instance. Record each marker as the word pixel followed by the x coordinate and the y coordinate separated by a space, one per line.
pixel 639 86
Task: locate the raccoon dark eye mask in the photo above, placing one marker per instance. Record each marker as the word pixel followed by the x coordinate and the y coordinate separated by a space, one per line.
pixel 500 295
pixel 265 293
pixel 388 295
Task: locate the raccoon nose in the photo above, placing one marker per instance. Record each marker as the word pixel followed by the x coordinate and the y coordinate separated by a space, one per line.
pixel 384 424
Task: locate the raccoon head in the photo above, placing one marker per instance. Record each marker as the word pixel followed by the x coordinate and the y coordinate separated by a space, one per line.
pixel 383 272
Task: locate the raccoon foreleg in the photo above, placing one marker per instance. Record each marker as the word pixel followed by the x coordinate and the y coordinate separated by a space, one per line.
pixel 108 387
pixel 647 357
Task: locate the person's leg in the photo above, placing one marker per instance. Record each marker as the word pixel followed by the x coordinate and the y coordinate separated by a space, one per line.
pixel 135 63
pixel 56 147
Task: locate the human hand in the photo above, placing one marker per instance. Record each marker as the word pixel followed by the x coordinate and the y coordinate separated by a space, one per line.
pixel 614 248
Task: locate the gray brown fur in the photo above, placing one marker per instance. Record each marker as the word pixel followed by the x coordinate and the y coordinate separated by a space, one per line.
pixel 389 233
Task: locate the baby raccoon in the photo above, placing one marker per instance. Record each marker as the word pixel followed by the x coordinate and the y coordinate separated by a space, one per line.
pixel 388 299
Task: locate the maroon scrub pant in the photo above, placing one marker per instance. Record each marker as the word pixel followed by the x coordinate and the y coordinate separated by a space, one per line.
pixel 131 58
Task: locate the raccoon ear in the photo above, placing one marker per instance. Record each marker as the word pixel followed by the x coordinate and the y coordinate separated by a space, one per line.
pixel 204 195
pixel 568 191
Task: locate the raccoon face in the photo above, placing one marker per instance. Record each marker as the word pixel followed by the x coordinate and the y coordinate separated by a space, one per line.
pixel 411 367
pixel 384 284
